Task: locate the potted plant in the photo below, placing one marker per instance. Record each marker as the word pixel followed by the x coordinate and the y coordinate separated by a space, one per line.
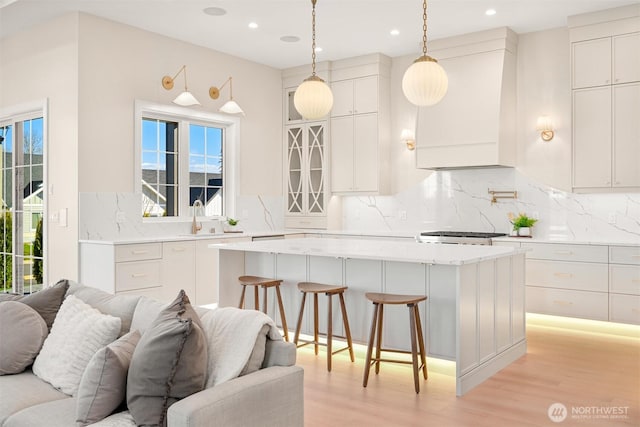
pixel 230 227
pixel 521 224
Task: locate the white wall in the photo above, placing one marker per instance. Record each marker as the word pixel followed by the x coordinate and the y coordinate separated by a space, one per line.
pixel 42 63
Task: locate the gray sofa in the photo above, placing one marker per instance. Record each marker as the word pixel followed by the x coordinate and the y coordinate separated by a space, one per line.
pixel 270 396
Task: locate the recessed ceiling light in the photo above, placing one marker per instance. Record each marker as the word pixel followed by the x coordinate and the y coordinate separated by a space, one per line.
pixel 290 39
pixel 318 49
pixel 394 32
pixel 215 11
pixel 490 12
pixel 253 25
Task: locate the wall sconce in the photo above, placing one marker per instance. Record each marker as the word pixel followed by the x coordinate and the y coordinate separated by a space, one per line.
pixel 545 126
pixel 185 99
pixel 231 106
pixel 408 138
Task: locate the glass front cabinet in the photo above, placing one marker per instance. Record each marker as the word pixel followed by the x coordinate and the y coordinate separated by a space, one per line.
pixel 306 177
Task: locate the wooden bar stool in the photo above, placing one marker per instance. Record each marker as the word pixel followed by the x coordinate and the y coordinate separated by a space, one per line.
pixel 379 300
pixel 329 291
pixel 264 283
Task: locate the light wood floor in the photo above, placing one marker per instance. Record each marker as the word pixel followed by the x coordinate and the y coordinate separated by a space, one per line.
pixel 575 368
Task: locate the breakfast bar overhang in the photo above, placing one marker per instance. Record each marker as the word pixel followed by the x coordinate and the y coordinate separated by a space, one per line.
pixel 474 313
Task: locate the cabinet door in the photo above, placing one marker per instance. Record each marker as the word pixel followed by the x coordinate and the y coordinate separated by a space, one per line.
pixel 342 98
pixel 315 169
pixel 294 164
pixel 365 95
pixel 626 135
pixel 626 58
pixel 342 154
pixel 592 137
pixel 178 270
pixel 591 63
pixel 365 152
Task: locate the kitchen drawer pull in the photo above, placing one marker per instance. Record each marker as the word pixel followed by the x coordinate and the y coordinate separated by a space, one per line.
pixel 635 256
pixel 138 275
pixel 635 310
pixel 564 303
pixel 178 249
pixel 139 252
pixel 563 252
pixel 563 275
pixel 635 280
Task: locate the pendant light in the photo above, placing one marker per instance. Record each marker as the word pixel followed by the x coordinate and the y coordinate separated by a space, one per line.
pixel 313 98
pixel 425 82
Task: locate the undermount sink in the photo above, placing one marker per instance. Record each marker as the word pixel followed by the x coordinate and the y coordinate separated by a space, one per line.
pixel 202 235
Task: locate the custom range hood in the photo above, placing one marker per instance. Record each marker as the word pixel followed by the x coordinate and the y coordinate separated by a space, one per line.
pixel 474 124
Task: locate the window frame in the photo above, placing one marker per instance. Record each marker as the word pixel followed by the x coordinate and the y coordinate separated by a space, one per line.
pixel 185 117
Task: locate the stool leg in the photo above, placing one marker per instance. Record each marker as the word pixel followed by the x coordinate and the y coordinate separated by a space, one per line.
pixel 256 300
pixel 299 326
pixel 329 331
pixel 367 365
pixel 414 355
pixel 315 323
pixel 264 299
pixel 345 321
pixel 423 354
pixel 282 315
pixel 379 345
pixel 241 305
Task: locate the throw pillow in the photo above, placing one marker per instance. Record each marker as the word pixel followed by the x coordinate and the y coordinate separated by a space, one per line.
pixel 46 302
pixel 168 364
pixel 104 383
pixel 78 332
pixel 22 332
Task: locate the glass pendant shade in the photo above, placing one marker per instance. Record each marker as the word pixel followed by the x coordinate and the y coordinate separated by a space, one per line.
pixel 231 107
pixel 313 98
pixel 186 99
pixel 425 82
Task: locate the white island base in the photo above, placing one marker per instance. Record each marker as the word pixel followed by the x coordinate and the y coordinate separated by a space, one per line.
pixel 474 314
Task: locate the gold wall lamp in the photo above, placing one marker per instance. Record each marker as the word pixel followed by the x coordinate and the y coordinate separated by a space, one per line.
pixel 408 138
pixel 231 106
pixel 545 127
pixel 185 99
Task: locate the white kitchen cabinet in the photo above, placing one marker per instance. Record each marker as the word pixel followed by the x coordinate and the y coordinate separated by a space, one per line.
pixel 624 284
pixel 624 308
pixel 591 64
pixel 568 275
pixel 306 175
pixel 355 96
pixel 562 302
pixel 354 155
pixel 179 270
pixel 626 58
pixel 626 136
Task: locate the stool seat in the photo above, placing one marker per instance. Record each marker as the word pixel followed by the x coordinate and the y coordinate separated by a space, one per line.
pixel 329 290
pixel 264 283
pixel 319 288
pixel 418 354
pixel 380 298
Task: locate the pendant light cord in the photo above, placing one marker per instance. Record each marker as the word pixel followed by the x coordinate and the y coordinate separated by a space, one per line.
pixel 424 27
pixel 313 38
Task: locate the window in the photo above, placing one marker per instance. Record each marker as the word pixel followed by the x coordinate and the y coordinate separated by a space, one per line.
pixel 23 200
pixel 183 156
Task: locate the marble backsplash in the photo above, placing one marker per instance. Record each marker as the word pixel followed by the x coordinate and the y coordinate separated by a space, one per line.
pixel 459 200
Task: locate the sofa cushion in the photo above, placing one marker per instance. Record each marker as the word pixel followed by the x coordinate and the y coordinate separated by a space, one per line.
pixel 104 383
pixel 57 413
pixel 147 310
pixel 122 306
pixel 77 334
pixel 22 332
pixel 168 364
pixel 119 419
pixel 24 390
pixel 46 302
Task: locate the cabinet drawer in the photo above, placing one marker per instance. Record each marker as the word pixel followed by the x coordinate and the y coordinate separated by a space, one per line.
pixel 138 275
pixel 560 302
pixel 138 252
pixel 624 308
pixel 624 279
pixel 565 252
pixel 580 276
pixel 624 255
pixel 305 222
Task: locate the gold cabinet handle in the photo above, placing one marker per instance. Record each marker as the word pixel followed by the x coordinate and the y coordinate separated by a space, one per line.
pixel 563 303
pixel 139 252
pixel 563 275
pixel 563 252
pixel 138 275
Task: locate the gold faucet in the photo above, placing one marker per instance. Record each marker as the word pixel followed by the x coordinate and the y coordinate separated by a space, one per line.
pixel 195 227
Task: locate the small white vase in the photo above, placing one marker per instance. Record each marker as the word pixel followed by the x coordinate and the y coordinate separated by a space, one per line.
pixel 524 231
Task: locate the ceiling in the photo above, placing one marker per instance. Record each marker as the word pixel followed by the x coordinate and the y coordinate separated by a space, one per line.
pixel 345 28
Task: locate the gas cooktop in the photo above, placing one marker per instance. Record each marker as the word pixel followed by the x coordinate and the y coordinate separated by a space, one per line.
pixel 465 237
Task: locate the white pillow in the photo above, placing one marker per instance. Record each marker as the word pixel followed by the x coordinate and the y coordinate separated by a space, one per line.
pixel 78 332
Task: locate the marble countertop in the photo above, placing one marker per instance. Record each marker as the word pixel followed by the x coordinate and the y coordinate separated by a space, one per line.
pixel 183 237
pixel 402 251
pixel 566 241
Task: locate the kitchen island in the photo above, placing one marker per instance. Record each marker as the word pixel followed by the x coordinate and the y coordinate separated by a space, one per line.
pixel 474 314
